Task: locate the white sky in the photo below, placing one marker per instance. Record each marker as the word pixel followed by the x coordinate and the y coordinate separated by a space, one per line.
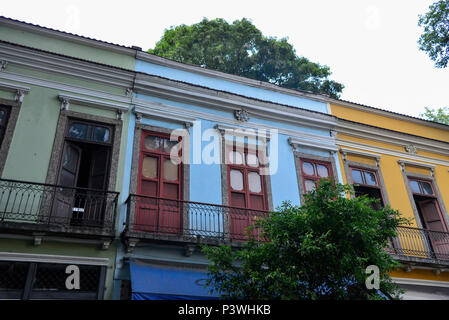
pixel 370 46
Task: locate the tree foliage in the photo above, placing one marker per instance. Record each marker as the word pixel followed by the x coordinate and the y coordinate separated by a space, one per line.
pixel 440 115
pixel 435 38
pixel 241 49
pixel 319 250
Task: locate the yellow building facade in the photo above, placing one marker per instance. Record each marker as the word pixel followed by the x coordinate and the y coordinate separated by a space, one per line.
pixel 403 161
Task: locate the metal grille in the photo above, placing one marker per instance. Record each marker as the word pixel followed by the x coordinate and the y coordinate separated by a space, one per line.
pixel 13 275
pixel 157 216
pixel 55 206
pixel 52 277
pixel 420 244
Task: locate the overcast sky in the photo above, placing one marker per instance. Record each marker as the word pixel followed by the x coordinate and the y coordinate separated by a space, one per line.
pixel 370 46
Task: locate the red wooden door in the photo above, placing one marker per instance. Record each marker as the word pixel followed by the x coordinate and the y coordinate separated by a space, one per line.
pixel 246 191
pixel 160 178
pixel 433 221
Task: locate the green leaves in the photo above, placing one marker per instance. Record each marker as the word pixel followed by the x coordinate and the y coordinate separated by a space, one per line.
pixel 319 250
pixel 440 115
pixel 241 49
pixel 435 38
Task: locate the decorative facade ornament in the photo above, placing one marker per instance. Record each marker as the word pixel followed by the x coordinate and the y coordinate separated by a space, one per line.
pixel 411 149
pixel 65 102
pixel 3 65
pixel 333 133
pixel 19 96
pixel 129 92
pixel 119 115
pixel 241 115
pixel 138 116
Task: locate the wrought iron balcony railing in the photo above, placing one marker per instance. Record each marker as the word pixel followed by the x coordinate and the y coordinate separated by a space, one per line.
pixel 45 207
pixel 157 218
pixel 420 245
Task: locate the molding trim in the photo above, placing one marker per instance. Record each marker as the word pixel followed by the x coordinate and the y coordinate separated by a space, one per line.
pixel 226 130
pixel 210 98
pixel 150 109
pixel 64 65
pixel 47 258
pixel 409 142
pixel 323 144
pixel 20 91
pixel 408 156
pixel 402 163
pixel 90 102
pixel 63 87
pixel 344 152
pixel 421 282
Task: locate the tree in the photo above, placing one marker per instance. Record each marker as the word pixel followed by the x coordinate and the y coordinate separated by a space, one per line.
pixel 440 115
pixel 241 49
pixel 435 39
pixel 319 250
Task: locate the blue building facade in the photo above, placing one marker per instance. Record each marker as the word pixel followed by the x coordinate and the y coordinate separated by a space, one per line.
pixel 206 153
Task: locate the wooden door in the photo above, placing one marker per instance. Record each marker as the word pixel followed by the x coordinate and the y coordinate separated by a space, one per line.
pixel 433 221
pixel 68 175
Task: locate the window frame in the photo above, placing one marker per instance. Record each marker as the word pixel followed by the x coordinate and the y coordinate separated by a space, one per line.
pixel 407 175
pixel 246 170
pixel 65 118
pixel 5 142
pixel 376 169
pixel 161 155
pixel 316 177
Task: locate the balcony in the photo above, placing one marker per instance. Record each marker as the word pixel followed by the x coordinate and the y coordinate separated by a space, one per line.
pixel 29 208
pixel 186 221
pixel 420 246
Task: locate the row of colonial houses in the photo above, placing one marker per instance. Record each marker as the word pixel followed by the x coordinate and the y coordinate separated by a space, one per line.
pixel 116 165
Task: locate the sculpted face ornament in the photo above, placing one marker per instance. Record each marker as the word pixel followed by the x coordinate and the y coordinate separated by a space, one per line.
pixel 241 115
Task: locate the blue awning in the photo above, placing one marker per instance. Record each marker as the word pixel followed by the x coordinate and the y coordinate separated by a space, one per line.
pixel 155 282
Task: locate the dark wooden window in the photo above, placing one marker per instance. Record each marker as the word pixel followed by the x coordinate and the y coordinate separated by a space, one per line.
pixel 4 117
pixel 161 177
pixel 312 171
pixel 84 167
pixel 35 280
pixel 366 182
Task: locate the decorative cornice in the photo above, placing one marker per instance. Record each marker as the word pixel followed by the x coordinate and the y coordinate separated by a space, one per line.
pixel 250 133
pixel 66 100
pixel 344 152
pixel 151 109
pixel 370 148
pixel 195 95
pixel 322 144
pixel 402 163
pixel 407 141
pixel 67 66
pixel 19 91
